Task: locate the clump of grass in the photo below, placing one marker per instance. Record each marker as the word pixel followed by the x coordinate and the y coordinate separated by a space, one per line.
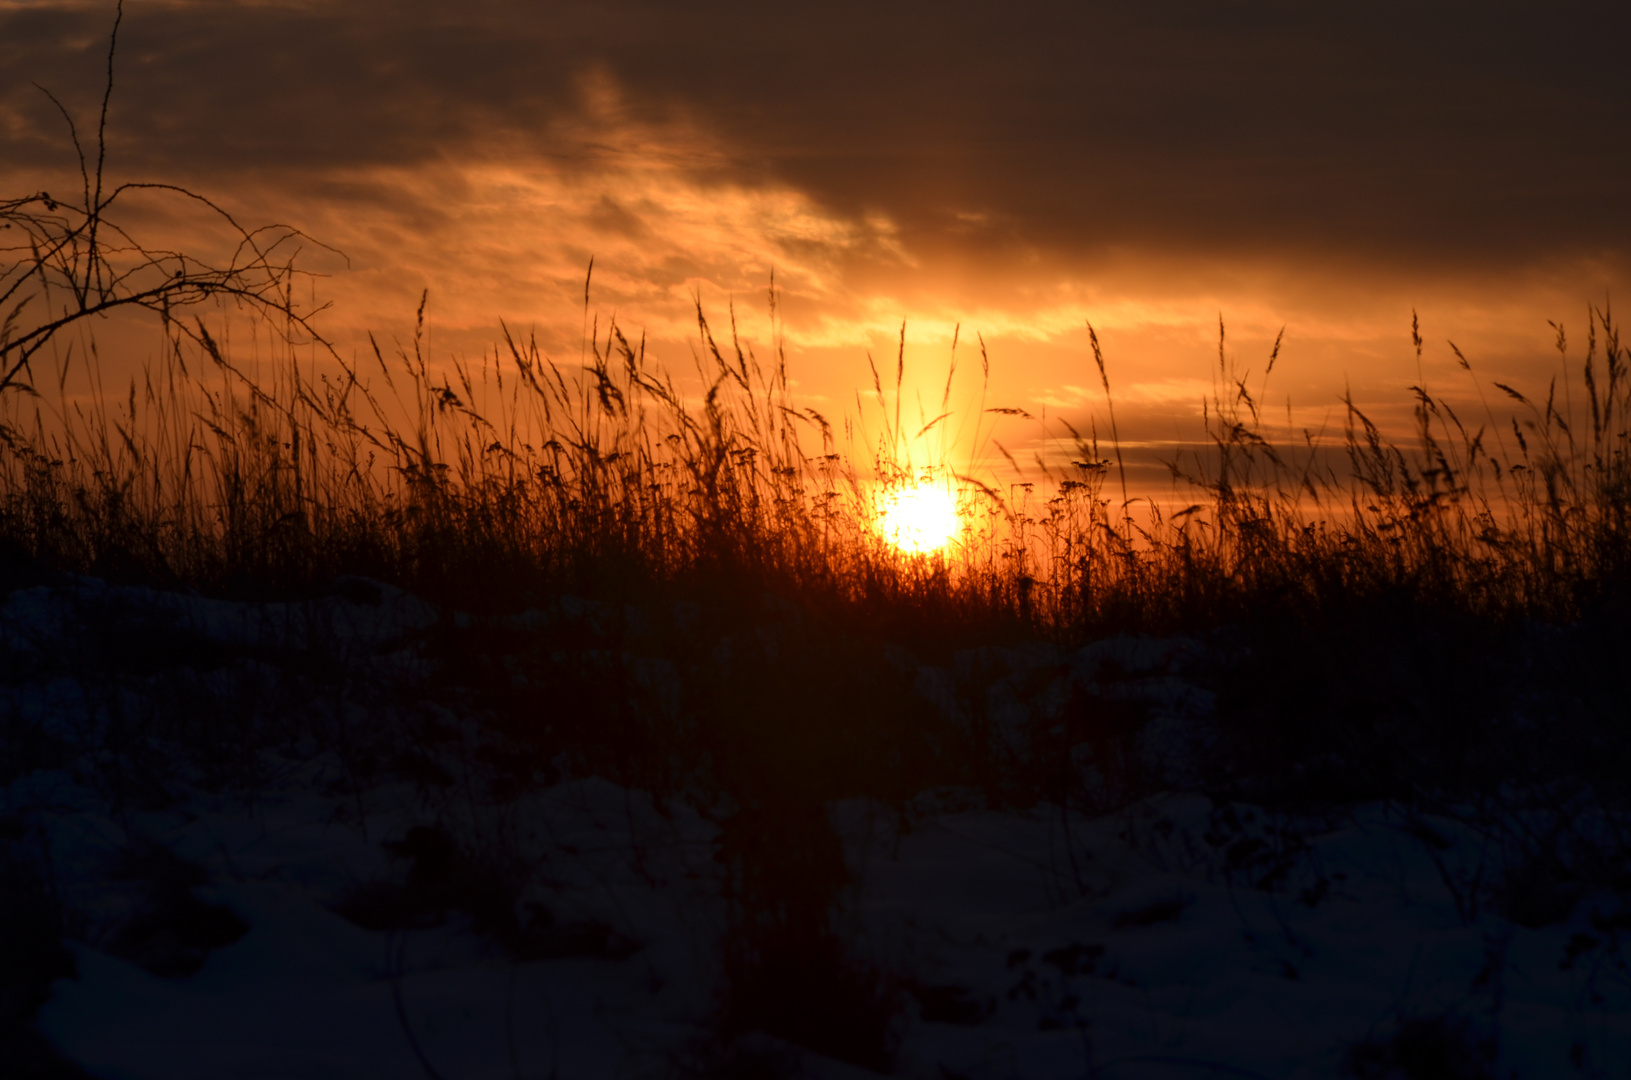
pixel 515 471
pixel 1499 519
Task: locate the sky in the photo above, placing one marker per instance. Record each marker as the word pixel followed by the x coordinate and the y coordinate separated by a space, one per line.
pixel 1006 173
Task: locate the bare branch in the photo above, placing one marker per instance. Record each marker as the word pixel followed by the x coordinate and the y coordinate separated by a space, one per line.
pixel 83 251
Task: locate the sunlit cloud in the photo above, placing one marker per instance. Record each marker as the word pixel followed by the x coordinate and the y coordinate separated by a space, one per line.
pixel 511 237
pixel 493 176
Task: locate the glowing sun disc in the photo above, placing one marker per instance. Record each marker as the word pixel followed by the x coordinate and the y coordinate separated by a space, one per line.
pixel 918 519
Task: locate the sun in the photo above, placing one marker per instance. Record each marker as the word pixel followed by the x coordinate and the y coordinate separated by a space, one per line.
pixel 918 519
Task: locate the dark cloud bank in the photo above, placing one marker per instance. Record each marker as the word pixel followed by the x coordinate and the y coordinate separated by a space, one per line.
pixel 1453 134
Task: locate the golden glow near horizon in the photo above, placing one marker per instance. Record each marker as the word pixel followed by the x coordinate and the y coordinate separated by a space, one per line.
pixel 918 519
pixel 506 240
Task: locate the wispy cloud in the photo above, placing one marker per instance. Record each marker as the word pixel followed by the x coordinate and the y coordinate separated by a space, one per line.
pixel 1013 174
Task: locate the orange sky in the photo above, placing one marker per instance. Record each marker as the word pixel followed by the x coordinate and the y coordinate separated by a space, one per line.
pixel 1252 161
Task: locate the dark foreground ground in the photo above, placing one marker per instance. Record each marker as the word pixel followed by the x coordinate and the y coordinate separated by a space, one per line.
pixel 355 834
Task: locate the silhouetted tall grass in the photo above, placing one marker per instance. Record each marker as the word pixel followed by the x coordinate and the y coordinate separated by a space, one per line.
pixel 514 478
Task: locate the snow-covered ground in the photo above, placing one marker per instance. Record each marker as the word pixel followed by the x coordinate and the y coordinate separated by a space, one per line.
pixel 239 899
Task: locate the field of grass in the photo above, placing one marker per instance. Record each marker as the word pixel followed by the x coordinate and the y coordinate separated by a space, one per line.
pixel 1439 623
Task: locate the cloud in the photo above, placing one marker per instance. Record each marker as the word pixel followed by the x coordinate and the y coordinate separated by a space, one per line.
pixel 1014 171
pixel 1396 131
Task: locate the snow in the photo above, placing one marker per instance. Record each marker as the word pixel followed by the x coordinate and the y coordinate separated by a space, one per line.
pixel 1176 937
